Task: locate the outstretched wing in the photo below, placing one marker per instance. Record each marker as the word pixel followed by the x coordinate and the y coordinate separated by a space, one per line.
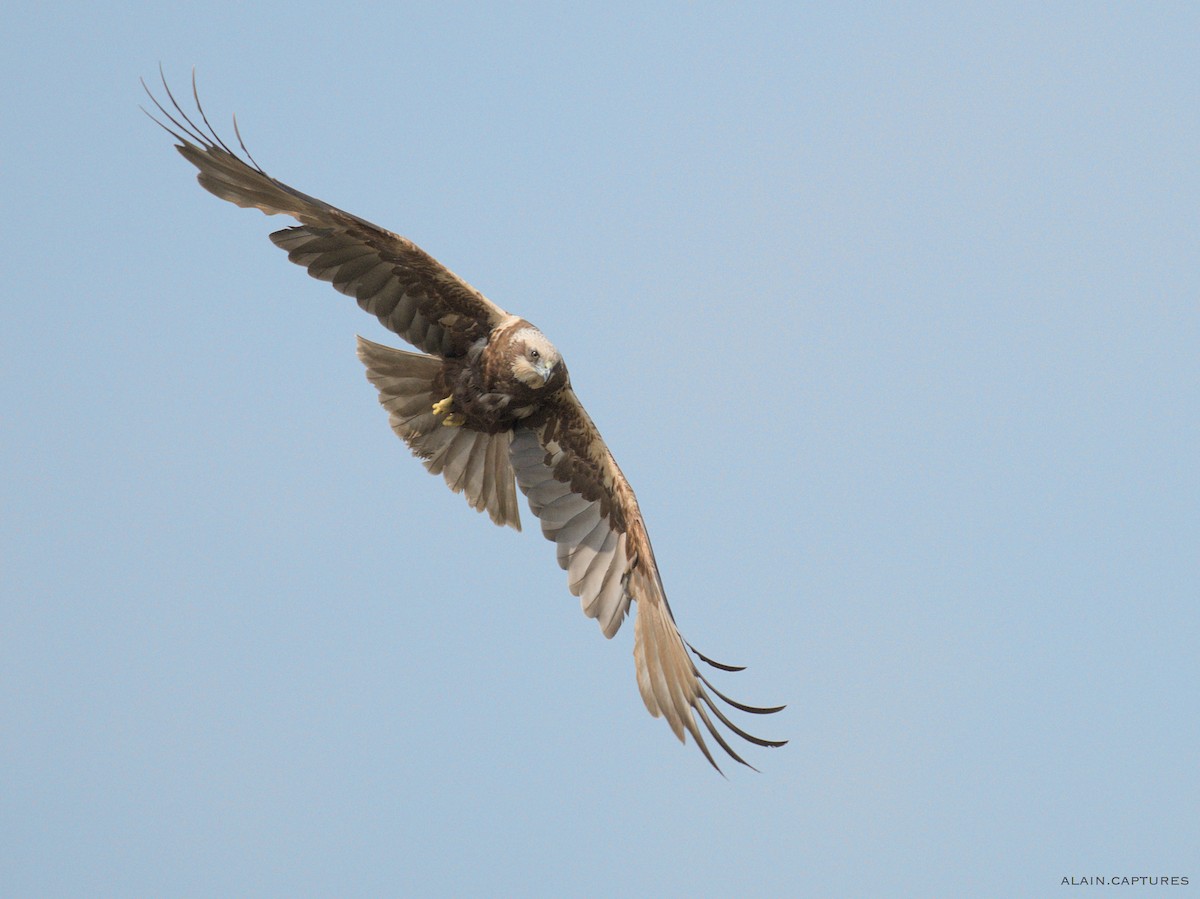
pixel 409 291
pixel 588 509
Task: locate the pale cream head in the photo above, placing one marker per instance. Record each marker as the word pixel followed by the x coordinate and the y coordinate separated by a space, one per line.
pixel 535 360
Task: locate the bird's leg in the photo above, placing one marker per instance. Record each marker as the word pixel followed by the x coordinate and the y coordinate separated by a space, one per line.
pixel 452 419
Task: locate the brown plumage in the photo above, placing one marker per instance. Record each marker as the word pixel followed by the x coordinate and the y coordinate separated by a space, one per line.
pixel 487 403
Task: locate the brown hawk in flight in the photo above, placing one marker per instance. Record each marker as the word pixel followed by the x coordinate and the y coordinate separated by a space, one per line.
pixel 486 402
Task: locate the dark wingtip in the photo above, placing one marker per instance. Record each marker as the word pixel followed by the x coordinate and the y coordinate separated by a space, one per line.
pixel 715 664
pixel 740 706
pixel 237 132
pixel 204 117
pixel 724 744
pixel 703 699
pixel 187 133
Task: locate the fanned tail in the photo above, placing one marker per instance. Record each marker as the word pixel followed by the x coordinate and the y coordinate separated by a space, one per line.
pixel 471 462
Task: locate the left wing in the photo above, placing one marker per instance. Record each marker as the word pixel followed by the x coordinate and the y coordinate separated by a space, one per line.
pixel 588 509
pixel 409 291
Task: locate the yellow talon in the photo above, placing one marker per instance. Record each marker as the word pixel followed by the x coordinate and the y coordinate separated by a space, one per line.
pixel 452 419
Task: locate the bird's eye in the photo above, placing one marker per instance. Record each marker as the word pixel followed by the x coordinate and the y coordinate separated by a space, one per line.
pixel 534 354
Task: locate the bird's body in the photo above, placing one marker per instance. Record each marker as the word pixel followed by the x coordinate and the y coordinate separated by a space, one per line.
pixel 496 385
pixel 488 405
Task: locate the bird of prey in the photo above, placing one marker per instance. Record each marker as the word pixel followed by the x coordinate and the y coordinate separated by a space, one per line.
pixel 486 403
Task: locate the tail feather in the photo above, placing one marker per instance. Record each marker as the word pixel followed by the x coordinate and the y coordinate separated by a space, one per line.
pixel 472 463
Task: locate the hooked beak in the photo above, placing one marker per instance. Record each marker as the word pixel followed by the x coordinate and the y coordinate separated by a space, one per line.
pixel 544 371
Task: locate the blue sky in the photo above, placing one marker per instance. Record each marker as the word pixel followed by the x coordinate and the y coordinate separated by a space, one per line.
pixel 889 314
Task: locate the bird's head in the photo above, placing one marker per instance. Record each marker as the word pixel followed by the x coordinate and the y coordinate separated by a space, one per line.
pixel 536 362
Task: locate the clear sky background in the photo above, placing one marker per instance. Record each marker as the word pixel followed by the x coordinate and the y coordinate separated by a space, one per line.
pixel 890 314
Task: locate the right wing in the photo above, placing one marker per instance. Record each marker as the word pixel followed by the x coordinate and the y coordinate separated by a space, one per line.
pixel 409 291
pixel 588 509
